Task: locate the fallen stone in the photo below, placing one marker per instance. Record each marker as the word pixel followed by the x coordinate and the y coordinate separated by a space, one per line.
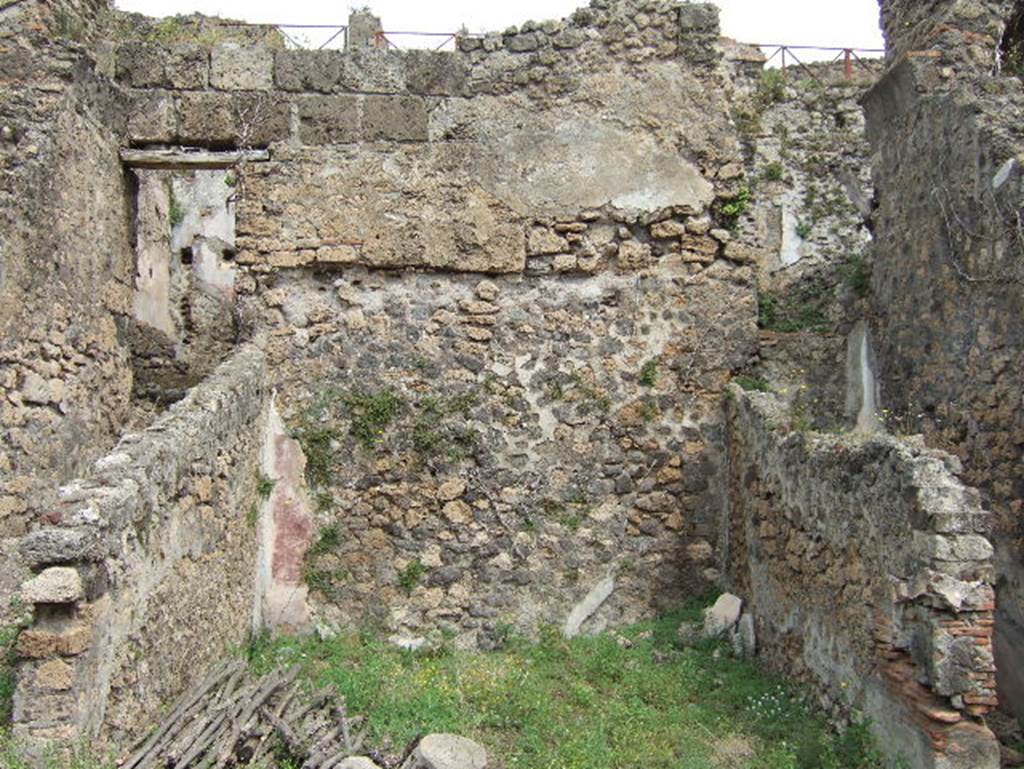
pixel 59 584
pixel 448 751
pixel 408 643
pixel 721 617
pixel 358 762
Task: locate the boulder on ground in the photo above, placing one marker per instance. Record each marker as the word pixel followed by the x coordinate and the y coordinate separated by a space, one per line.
pixel 720 618
pixel 449 751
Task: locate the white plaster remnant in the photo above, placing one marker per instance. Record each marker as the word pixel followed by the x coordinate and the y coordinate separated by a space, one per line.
pixel 591 603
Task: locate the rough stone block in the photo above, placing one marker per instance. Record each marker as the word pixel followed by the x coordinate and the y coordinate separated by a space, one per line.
pixel 369 70
pixel 698 18
pixel 328 119
pixel 74 641
pixel 59 584
pixel 187 66
pixel 337 255
pixel 141 65
pixel 235 120
pixel 436 73
pixel 395 118
pixel 35 644
pixel 308 70
pixel 152 117
pixel 46 547
pixel 233 68
pixel 55 675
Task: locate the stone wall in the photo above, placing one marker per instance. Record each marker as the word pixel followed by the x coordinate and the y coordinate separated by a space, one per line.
pixel 146 572
pixel 484 453
pixel 866 566
pixel 65 262
pixel 947 307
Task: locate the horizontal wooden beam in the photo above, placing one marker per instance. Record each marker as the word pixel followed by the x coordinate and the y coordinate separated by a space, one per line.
pixel 184 160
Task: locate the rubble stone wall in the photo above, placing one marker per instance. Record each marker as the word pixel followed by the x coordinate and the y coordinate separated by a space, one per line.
pixel 65 263
pixel 947 301
pixel 146 572
pixel 484 452
pixel 866 565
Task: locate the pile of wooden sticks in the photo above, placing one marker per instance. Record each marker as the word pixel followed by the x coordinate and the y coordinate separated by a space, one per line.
pixel 232 719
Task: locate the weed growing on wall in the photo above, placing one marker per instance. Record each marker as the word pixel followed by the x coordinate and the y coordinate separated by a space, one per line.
pixel 649 373
pixel 731 211
pixel 856 275
pixel 264 486
pixel 319 571
pixel 411 575
pixel 753 384
pixel 788 314
pixel 175 212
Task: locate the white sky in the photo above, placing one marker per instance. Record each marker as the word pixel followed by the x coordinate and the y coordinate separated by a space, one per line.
pixel 844 23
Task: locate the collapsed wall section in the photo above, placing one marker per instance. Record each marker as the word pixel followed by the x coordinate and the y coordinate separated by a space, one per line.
pixel 146 571
pixel 866 565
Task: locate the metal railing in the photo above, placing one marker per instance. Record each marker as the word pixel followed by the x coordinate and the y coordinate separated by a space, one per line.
pixel 386 40
pixel 849 56
pixel 337 31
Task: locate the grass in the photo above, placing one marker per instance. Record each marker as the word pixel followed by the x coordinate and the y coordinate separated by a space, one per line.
pixel 579 704
pixel 561 704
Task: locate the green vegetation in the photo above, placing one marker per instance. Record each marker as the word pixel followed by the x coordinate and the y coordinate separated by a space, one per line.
pixel 371 413
pixel 435 433
pixel 649 373
pixel 81 758
pixel 753 384
pixel 628 700
pixel 735 208
pixel 317 576
pixel 804 229
pixel 231 179
pixel 8 635
pixel 773 172
pixel 856 275
pixel 318 444
pixel 411 575
pixel 772 88
pixel 252 517
pixel 264 486
pixel 175 213
pixel 791 313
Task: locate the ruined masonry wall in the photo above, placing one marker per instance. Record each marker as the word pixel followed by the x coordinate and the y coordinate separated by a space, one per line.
pixel 867 568
pixel 65 265
pixel 146 573
pixel 947 310
pixel 483 453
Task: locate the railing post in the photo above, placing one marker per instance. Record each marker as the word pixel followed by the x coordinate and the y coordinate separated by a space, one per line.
pixel 848 59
